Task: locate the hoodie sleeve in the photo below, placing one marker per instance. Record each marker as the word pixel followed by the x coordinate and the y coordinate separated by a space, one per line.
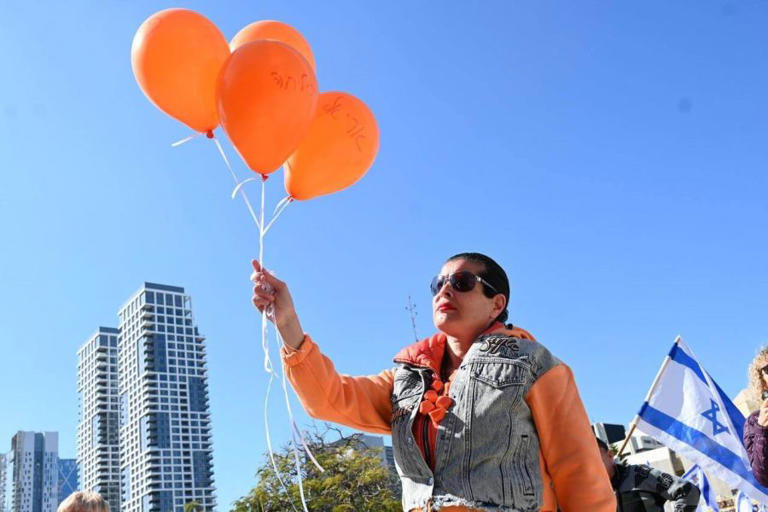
pixel 756 444
pixel 568 445
pixel 363 402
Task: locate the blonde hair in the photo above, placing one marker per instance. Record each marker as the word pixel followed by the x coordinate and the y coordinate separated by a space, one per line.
pixel 84 501
pixel 756 383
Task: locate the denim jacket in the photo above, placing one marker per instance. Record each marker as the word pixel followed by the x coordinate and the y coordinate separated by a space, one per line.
pixel 487 448
pixel 516 439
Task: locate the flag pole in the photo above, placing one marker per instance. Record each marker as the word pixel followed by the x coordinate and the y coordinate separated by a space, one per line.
pixel 655 383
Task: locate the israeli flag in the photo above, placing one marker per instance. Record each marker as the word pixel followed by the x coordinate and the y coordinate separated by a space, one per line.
pixel 688 412
pixel 742 503
pixel 696 476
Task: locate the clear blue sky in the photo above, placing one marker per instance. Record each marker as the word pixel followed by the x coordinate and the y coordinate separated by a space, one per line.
pixel 612 157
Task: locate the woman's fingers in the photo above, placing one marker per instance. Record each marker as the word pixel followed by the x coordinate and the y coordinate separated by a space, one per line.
pixel 264 290
pixel 259 273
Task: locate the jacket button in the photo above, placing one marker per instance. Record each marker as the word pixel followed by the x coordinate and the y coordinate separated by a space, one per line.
pixel 431 481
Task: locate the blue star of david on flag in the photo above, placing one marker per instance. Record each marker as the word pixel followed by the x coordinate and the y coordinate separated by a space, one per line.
pixel 711 415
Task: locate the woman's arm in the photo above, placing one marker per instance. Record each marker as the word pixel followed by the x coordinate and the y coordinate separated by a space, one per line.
pixel 568 445
pixel 362 402
pixel 756 444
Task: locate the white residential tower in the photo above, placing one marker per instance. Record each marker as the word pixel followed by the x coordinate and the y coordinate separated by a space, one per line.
pixel 35 457
pixel 98 448
pixel 165 428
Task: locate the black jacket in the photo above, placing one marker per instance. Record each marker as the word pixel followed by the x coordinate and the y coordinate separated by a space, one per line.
pixel 641 488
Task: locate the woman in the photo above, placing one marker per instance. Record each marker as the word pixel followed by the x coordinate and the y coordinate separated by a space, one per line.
pixel 84 501
pixel 756 426
pixel 481 416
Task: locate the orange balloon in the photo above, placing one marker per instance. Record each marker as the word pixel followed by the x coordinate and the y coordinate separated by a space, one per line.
pixel 270 29
pixel 338 150
pixel 176 57
pixel 266 99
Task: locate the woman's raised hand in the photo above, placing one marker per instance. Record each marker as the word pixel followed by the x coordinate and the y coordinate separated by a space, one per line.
pixel 270 291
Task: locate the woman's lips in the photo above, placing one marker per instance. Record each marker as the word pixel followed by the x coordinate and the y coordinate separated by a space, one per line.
pixel 445 307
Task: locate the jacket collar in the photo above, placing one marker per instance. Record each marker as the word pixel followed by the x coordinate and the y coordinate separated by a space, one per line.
pixel 428 353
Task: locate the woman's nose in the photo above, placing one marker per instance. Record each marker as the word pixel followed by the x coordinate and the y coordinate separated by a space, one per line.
pixel 446 289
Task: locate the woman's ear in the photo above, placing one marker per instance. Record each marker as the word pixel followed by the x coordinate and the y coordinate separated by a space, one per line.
pixel 499 305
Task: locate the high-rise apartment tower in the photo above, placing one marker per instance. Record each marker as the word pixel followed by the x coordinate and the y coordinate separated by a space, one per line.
pixel 98 448
pixel 35 457
pixel 165 427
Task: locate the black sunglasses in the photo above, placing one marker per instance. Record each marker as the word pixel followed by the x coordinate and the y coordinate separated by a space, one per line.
pixel 461 281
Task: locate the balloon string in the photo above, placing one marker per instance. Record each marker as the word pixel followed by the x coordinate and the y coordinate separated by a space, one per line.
pixel 306 447
pixel 278 211
pixel 185 140
pixel 296 431
pixel 269 312
pixel 240 185
pixel 298 474
pixel 237 183
pixel 269 309
pixel 269 440
pixel 268 367
pixel 298 438
pixel 280 204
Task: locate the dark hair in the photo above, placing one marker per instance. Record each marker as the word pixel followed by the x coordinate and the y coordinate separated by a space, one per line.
pixel 602 445
pixel 493 273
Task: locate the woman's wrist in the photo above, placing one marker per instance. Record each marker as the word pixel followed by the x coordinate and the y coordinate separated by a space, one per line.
pixel 291 332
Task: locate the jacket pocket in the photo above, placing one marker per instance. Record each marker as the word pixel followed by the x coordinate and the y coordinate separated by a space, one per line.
pixel 522 461
pixel 499 372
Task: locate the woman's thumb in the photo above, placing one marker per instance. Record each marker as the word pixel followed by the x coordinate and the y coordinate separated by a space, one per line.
pixel 272 280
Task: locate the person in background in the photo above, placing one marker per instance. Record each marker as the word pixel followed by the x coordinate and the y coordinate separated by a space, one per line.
pixel 84 501
pixel 756 426
pixel 641 488
pixel 482 417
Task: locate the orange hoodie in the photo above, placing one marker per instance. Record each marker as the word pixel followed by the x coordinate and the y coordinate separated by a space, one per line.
pixel 573 475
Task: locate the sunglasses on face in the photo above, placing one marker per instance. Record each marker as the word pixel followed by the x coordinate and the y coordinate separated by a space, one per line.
pixel 764 370
pixel 462 281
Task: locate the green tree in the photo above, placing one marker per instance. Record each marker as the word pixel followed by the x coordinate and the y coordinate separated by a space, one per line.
pixel 192 506
pixel 354 479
